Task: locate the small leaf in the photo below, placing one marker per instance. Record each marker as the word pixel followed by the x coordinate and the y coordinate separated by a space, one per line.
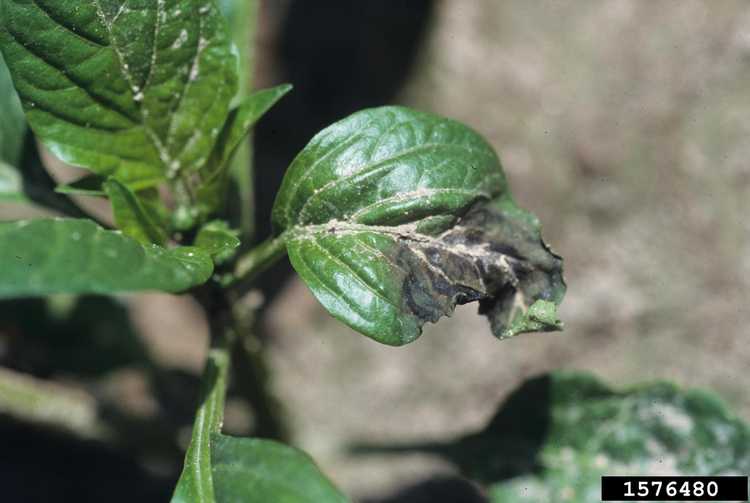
pixel 89 185
pixel 77 256
pixel 132 89
pixel 132 217
pixel 254 470
pixel 238 125
pixel 243 118
pixel 393 217
pixel 218 240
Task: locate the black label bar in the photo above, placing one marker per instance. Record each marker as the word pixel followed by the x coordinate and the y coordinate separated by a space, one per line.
pixel 674 488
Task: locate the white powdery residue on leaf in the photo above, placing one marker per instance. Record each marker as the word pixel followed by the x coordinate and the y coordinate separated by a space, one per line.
pixel 195 69
pixel 180 40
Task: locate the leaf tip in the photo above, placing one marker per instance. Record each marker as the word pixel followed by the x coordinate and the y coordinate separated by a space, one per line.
pixel 541 316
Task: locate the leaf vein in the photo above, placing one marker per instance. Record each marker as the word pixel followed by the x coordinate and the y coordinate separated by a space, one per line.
pixel 383 164
pixel 99 100
pixel 67 28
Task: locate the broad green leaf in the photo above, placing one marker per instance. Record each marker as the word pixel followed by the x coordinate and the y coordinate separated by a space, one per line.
pixel 392 217
pixel 238 126
pixel 218 240
pixel 45 256
pixel 132 217
pixel 89 185
pixel 139 90
pixel 12 133
pixel 254 470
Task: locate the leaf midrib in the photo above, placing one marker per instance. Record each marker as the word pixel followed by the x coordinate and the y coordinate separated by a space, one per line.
pixel 150 133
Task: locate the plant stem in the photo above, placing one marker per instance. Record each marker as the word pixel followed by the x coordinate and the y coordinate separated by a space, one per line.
pixel 196 482
pixel 244 23
pixel 260 258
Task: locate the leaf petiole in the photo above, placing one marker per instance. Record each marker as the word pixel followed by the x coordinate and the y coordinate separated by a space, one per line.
pixel 260 258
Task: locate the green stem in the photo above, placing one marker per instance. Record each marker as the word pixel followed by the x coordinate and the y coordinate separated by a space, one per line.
pixel 260 258
pixel 196 483
pixel 244 24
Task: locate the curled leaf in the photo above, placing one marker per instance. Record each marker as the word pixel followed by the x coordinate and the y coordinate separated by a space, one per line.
pixel 218 240
pixel 393 217
pixel 136 218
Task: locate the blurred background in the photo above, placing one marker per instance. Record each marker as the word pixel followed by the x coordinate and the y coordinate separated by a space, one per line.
pixel 622 124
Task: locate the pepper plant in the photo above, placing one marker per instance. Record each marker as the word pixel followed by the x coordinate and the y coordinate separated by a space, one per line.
pixel 391 216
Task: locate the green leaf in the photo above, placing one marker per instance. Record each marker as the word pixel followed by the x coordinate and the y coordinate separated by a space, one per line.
pixel 132 89
pixel 12 132
pixel 593 430
pixel 77 256
pixel 132 217
pixel 237 127
pixel 256 470
pixel 392 217
pixel 243 118
pixel 218 240
pixel 220 468
pixel 13 124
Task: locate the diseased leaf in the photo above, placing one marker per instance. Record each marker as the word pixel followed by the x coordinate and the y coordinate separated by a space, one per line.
pixel 593 430
pixel 218 240
pixel 45 256
pixel 392 217
pixel 126 88
pixel 134 218
pixel 255 470
pixel 239 123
